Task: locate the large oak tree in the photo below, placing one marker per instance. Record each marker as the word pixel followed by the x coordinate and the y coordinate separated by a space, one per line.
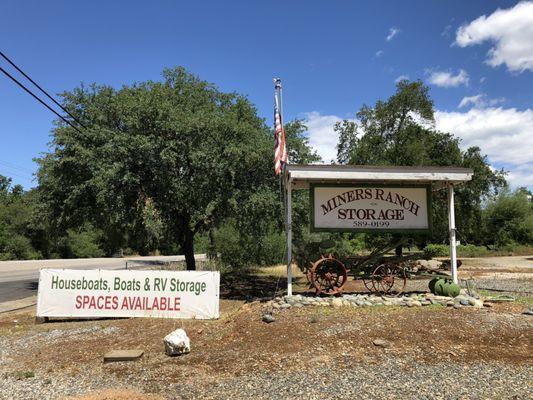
pixel 158 160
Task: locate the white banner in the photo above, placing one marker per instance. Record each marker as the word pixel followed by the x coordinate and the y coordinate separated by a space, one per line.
pixel 123 293
pixel 370 208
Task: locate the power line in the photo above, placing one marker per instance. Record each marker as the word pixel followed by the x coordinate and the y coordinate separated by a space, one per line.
pixel 16 167
pixel 38 99
pixel 22 176
pixel 41 89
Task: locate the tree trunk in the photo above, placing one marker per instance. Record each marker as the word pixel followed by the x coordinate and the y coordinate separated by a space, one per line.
pixel 211 250
pixel 188 250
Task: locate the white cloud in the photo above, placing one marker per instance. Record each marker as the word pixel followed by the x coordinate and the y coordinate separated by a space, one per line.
pixel 446 31
pixel 392 33
pixel 322 137
pixel 480 101
pixel 511 31
pixel 474 100
pixel 521 176
pixel 401 78
pixel 379 53
pixel 505 135
pixel 447 79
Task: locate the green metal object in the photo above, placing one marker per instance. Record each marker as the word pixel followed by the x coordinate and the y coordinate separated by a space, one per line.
pixel 432 285
pixel 439 287
pixel 451 289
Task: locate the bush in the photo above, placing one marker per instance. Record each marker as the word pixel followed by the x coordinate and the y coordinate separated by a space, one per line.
pixel 470 250
pixel 18 247
pixel 510 219
pixel 436 250
pixel 84 243
pixel 228 244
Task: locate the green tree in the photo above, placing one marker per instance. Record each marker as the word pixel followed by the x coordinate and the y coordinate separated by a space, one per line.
pixel 16 209
pixel 160 161
pixel 400 131
pixel 257 236
pixel 510 218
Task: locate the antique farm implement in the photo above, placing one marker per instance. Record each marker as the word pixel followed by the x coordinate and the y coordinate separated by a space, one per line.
pixel 379 272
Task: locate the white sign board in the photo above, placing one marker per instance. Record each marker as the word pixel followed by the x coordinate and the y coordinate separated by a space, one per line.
pixel 375 208
pixel 123 293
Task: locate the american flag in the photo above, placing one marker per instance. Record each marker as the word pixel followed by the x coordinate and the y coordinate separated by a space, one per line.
pixel 280 149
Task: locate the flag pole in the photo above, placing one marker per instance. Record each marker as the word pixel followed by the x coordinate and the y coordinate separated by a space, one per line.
pixel 287 194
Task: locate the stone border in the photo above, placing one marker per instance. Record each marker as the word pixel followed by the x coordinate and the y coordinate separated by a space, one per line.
pixel 371 300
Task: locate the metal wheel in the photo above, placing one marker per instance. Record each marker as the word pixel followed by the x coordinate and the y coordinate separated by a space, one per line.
pixel 389 279
pixel 368 284
pixel 328 275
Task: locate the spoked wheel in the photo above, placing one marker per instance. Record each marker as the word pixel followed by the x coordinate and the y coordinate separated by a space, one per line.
pixel 368 282
pixel 328 275
pixel 389 279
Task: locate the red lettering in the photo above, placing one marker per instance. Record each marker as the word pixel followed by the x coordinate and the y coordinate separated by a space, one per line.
pixel 78 302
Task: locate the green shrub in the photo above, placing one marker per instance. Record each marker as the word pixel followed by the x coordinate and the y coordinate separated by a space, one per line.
pixel 436 250
pixel 84 243
pixel 470 250
pixel 510 219
pixel 18 247
pixel 228 245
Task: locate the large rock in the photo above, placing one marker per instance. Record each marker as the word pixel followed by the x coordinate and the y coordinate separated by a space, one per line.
pixel 268 318
pixel 381 343
pixel 337 303
pixel 475 302
pixel 177 343
pixel 434 264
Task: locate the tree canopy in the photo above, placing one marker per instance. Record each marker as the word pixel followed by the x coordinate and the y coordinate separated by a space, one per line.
pixel 160 161
pixel 178 166
pixel 401 131
pixel 163 161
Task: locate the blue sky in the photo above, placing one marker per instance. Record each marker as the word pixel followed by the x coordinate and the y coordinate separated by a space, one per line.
pixel 332 56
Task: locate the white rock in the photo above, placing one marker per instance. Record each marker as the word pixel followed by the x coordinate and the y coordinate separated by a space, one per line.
pixel 336 303
pixel 434 264
pixel 475 303
pixel 177 343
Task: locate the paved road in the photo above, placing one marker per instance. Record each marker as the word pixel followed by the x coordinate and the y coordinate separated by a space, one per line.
pixel 19 279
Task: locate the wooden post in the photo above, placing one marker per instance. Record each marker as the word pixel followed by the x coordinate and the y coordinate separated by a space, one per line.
pixel 451 227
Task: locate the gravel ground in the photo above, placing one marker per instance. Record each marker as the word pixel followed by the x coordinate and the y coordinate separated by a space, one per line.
pixel 508 286
pixel 391 378
pixel 54 386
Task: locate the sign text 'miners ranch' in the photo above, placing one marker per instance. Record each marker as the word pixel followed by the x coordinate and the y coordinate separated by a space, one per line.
pixel 374 208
